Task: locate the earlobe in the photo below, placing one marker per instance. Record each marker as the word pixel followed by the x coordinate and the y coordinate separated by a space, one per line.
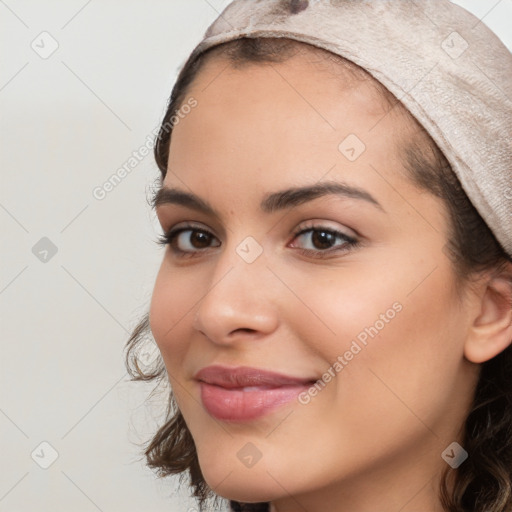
pixel 491 331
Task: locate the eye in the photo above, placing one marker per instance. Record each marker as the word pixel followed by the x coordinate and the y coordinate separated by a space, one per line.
pixel 316 241
pixel 187 240
pixel 323 241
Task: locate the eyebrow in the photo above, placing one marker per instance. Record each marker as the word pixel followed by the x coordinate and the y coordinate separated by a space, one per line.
pixel 271 203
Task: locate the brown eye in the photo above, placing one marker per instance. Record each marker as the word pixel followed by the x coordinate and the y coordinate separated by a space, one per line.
pixel 323 239
pixel 188 240
pixel 199 239
pixel 319 241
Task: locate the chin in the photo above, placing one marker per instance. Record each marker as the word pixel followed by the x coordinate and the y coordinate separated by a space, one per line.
pixel 240 483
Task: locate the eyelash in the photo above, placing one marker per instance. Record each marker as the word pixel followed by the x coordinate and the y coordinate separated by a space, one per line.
pixel 169 238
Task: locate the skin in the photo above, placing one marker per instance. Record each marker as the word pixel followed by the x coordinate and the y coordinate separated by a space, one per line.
pixel 372 438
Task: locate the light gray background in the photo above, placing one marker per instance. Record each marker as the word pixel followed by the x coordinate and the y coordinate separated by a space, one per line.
pixel 68 122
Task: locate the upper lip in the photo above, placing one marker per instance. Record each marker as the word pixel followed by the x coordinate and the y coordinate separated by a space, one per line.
pixel 246 376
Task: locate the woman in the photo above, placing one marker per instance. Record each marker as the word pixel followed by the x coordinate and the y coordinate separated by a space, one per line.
pixel 334 307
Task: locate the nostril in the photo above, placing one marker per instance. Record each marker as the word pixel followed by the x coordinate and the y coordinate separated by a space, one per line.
pixel 244 330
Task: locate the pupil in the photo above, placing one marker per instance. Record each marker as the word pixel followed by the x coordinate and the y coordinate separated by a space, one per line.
pixel 324 238
pixel 202 239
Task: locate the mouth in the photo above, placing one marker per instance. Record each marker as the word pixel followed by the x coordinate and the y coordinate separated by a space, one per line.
pixel 239 394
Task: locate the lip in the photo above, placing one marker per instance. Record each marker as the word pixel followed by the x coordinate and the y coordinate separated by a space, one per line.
pixel 244 393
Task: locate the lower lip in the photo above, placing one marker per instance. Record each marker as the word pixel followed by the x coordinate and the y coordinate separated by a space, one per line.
pixel 238 405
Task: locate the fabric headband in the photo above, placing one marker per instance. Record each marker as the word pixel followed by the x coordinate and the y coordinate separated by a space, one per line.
pixel 447 68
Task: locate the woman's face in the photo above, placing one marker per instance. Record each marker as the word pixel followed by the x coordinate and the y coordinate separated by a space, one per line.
pixel 365 295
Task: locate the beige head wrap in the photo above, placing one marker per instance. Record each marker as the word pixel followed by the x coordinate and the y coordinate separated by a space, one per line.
pixel 451 72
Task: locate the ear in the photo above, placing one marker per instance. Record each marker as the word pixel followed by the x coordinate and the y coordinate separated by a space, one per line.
pixel 491 330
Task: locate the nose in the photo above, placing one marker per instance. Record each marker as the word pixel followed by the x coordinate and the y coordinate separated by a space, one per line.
pixel 240 302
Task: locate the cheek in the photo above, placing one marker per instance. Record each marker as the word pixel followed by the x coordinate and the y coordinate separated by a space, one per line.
pixel 389 336
pixel 172 304
pixel 397 373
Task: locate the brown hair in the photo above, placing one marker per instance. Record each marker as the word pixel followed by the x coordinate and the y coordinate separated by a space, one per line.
pixel 483 483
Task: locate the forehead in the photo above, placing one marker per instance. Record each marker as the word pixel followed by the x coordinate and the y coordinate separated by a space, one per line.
pixel 263 127
pixel 269 51
pixel 298 103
